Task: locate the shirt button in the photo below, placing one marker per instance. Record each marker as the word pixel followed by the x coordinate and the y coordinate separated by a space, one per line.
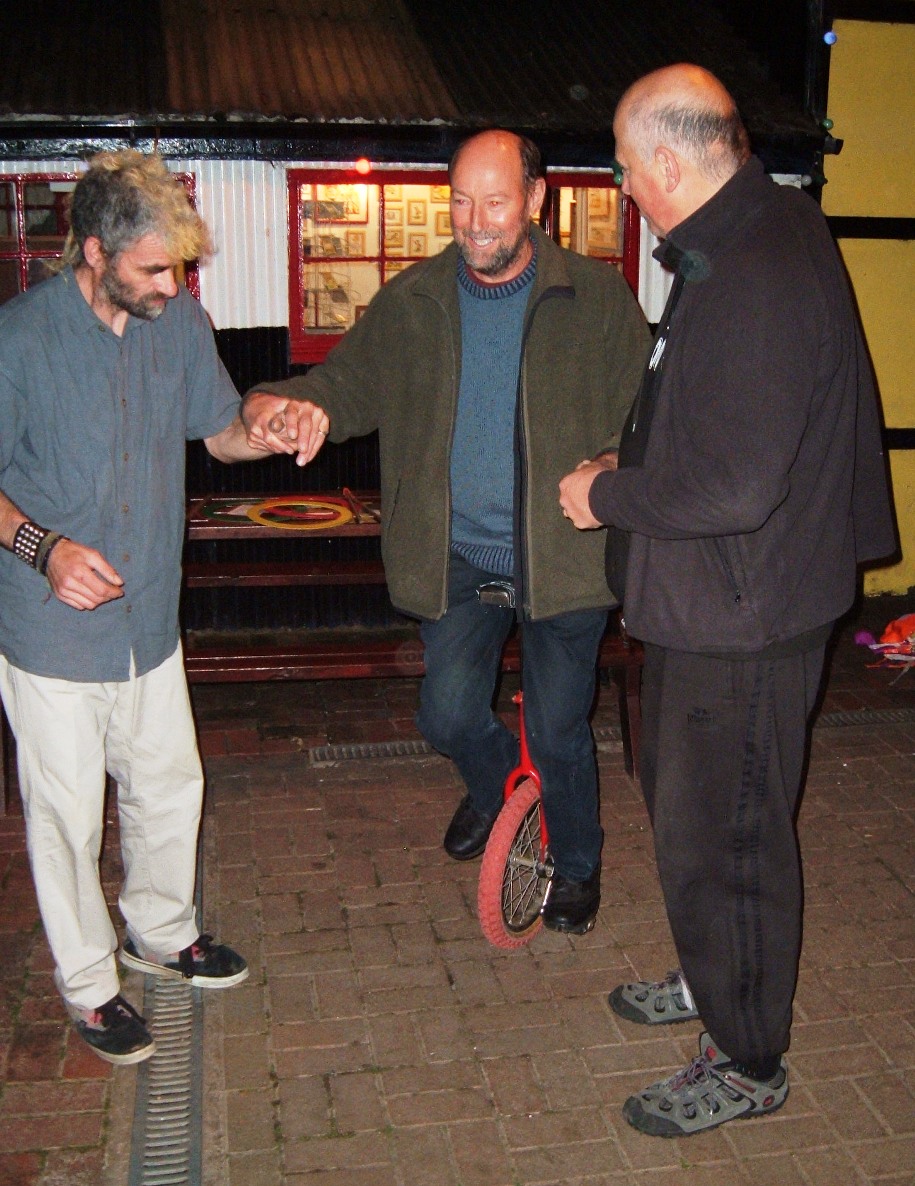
pixel 128 609
pixel 125 509
pixel 126 456
pixel 125 559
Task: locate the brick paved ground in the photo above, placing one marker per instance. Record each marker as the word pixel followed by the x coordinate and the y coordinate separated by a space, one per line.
pixel 382 1042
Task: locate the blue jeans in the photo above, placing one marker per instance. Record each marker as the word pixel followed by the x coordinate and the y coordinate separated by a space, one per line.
pixel 559 665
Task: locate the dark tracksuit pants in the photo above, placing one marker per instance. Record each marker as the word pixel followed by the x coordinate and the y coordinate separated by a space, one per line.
pixel 722 765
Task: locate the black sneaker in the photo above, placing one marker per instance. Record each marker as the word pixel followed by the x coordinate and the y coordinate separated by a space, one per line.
pixel 115 1031
pixel 204 964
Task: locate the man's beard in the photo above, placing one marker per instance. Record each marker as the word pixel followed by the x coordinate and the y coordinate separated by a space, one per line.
pixel 506 254
pixel 147 308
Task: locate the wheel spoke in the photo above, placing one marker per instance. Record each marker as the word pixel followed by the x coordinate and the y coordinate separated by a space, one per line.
pixel 523 885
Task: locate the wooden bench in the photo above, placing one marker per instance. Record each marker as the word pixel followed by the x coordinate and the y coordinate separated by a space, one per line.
pixel 376 658
pixel 399 656
pixel 246 574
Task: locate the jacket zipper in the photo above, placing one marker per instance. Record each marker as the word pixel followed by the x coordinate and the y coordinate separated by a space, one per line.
pixel 524 606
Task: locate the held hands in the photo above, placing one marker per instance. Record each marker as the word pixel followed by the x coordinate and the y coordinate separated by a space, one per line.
pixel 575 488
pixel 277 425
pixel 81 577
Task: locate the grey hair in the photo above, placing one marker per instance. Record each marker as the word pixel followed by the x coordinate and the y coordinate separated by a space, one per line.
pixel 715 142
pixel 126 195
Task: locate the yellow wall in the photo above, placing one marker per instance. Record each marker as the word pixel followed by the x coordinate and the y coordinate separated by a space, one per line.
pixel 872 106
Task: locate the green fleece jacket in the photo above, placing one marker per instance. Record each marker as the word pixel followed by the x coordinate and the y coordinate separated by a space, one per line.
pixel 398 370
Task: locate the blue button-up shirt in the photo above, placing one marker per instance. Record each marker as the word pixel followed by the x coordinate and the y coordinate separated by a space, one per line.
pixel 92 443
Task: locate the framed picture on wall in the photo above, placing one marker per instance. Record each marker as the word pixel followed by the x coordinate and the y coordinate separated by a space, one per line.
pixel 443 222
pixel 393 237
pixel 330 245
pixel 393 193
pixel 355 242
pixel 598 203
pixel 350 203
pixel 417 242
pixel 393 216
pixel 416 212
pixel 440 193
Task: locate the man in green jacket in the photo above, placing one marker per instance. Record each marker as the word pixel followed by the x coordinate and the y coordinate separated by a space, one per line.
pixel 488 371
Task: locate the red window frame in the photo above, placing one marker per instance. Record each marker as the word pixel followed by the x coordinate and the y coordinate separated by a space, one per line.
pixel 314 347
pixel 24 255
pixel 629 259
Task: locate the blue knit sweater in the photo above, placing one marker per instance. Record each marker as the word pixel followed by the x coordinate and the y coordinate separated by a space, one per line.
pixel 482 453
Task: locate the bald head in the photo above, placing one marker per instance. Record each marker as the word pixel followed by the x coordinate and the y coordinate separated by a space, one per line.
pixel 686 109
pixel 508 146
pixel 678 140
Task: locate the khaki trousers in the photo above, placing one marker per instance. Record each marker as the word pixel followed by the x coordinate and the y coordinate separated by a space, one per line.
pixel 68 735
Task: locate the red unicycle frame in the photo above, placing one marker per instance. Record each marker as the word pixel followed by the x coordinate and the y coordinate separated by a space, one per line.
pixel 517 868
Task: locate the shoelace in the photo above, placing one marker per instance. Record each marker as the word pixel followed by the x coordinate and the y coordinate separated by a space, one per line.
pixel 691 1076
pixel 115 1009
pixel 188 957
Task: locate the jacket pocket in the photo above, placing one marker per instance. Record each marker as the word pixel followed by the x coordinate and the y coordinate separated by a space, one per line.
pixel 733 568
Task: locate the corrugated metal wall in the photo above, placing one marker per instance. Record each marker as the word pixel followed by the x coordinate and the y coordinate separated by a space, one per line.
pixel 654 282
pixel 244 203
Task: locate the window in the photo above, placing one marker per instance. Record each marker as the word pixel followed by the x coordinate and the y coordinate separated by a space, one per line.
pixel 33 225
pixel 588 213
pixel 348 236
pixel 34 222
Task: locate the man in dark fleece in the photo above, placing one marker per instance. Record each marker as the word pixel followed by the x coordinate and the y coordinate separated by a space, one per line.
pixel 750 484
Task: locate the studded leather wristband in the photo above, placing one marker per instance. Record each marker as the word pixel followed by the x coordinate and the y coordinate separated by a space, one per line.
pixel 26 541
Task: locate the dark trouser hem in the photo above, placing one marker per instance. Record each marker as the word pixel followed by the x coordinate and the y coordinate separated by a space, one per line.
pixel 722 766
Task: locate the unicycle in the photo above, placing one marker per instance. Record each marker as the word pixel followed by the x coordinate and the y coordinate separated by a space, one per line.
pixel 517 868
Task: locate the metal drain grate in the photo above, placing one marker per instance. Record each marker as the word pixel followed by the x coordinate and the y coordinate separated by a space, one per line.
pixel 867 716
pixel 373 749
pixel 607 735
pixel 168 1111
pixel 411 749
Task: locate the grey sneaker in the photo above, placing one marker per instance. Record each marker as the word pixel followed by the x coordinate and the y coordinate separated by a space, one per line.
pixel 708 1092
pixel 115 1031
pixel 204 964
pixel 660 1002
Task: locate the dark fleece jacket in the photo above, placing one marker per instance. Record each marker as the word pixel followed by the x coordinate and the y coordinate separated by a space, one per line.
pixel 763 481
pixel 398 370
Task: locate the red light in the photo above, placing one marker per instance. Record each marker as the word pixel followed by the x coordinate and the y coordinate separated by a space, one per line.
pixel 363 166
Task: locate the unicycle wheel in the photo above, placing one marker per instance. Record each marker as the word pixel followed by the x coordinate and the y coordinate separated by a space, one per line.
pixel 513 879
